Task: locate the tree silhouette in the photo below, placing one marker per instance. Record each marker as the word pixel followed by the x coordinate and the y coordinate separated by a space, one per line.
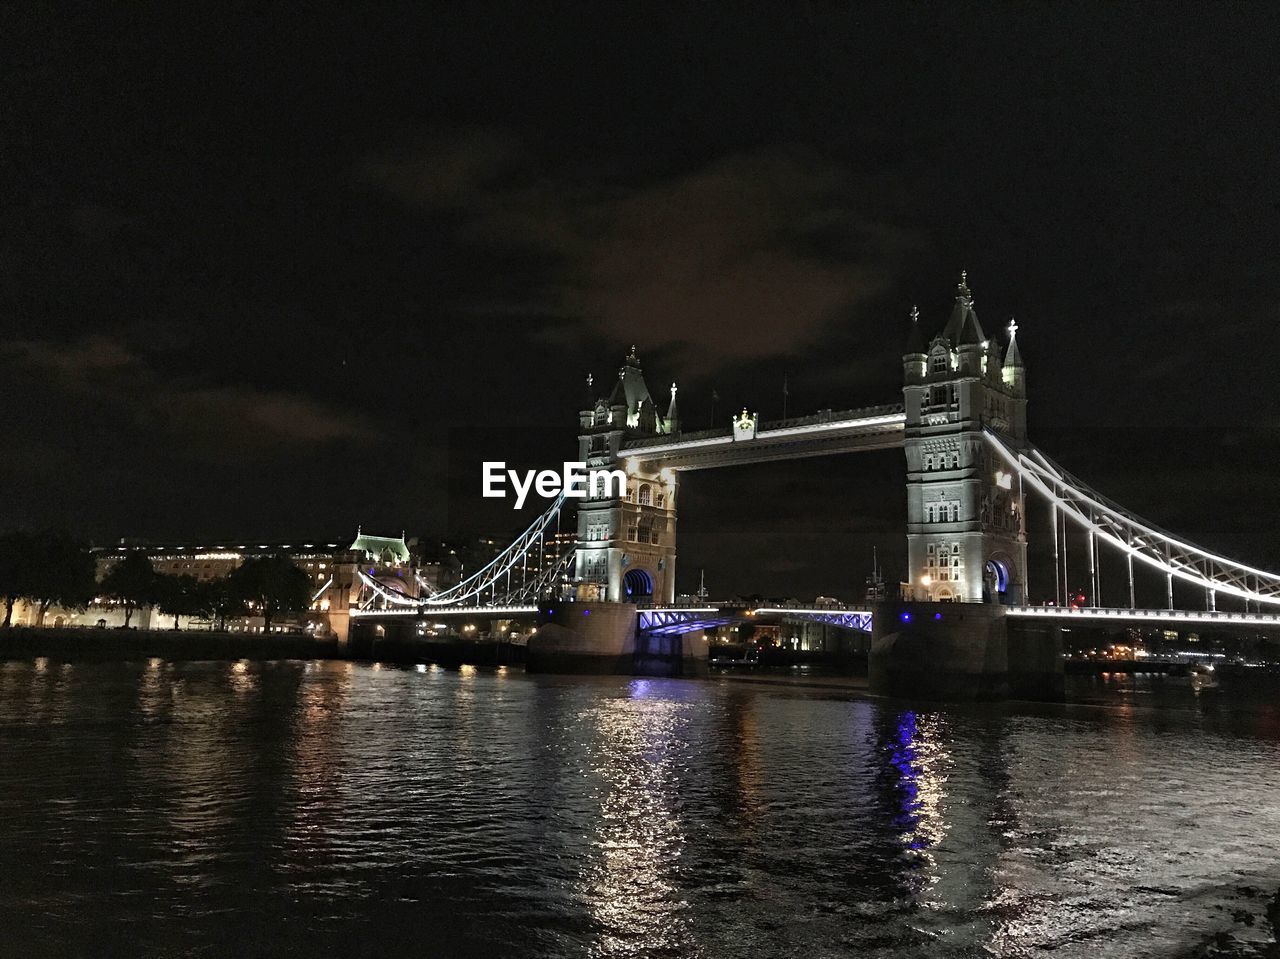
pixel 183 596
pixel 224 600
pixel 15 569
pixel 132 582
pixel 272 584
pixel 61 573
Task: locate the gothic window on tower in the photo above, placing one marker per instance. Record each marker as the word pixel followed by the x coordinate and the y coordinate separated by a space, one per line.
pixel 938 364
pixel 646 495
pixel 646 534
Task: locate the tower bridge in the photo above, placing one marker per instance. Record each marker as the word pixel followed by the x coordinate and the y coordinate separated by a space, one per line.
pixel 962 425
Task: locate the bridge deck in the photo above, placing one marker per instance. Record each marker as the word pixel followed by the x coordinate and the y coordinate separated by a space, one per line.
pixel 1137 617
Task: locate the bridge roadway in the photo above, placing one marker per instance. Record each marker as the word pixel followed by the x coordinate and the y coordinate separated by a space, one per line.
pixel 823 433
pixel 674 620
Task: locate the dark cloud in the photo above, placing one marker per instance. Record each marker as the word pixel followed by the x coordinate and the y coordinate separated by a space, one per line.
pixel 748 256
pixel 206 420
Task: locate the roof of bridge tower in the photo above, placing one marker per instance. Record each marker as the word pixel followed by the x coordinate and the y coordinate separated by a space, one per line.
pixel 630 388
pixel 963 327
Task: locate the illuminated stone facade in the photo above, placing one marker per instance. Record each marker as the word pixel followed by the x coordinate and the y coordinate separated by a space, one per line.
pixel 626 545
pixel 966 525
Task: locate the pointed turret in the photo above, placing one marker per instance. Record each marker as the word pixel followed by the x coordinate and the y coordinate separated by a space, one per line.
pixel 963 329
pixel 1013 356
pixel 1014 372
pixel 914 359
pixel 673 415
pixel 915 339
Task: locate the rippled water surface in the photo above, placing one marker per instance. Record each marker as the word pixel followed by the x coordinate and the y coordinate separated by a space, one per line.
pixel 337 809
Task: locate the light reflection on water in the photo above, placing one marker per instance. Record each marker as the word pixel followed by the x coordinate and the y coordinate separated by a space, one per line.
pixel 328 808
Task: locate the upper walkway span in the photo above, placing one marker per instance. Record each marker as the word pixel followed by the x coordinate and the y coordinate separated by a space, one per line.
pixel 750 441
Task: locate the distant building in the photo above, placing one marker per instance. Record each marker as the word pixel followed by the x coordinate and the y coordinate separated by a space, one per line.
pixel 336 574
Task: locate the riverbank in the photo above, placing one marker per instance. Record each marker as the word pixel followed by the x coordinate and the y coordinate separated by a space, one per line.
pixel 75 645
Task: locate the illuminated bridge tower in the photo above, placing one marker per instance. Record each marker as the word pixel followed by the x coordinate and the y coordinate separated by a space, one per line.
pixel 626 549
pixel 966 528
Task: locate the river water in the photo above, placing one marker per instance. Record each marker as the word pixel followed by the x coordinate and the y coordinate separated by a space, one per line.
pixel 304 809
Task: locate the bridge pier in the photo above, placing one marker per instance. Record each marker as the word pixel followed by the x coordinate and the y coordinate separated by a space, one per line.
pixel 962 651
pixel 602 639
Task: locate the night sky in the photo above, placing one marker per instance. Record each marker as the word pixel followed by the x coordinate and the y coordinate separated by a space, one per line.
pixel 275 274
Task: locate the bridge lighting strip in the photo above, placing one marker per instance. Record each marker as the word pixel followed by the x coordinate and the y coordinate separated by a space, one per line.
pixel 1107 506
pixel 390 596
pixel 889 419
pixel 1144 615
pixel 668 610
pixel 502 562
pixel 829 611
pixel 429 612
pixel 320 592
pixel 1032 474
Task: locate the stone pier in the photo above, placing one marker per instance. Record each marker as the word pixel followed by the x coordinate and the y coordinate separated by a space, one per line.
pixel 962 651
pixel 601 639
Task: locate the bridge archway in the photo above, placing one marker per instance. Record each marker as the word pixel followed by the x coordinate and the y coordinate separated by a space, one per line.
pixel 995 580
pixel 637 585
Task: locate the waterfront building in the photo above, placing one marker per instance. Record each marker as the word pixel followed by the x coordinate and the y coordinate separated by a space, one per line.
pixel 334 570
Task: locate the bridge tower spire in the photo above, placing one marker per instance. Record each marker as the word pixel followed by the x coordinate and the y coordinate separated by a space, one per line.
pixel 966 537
